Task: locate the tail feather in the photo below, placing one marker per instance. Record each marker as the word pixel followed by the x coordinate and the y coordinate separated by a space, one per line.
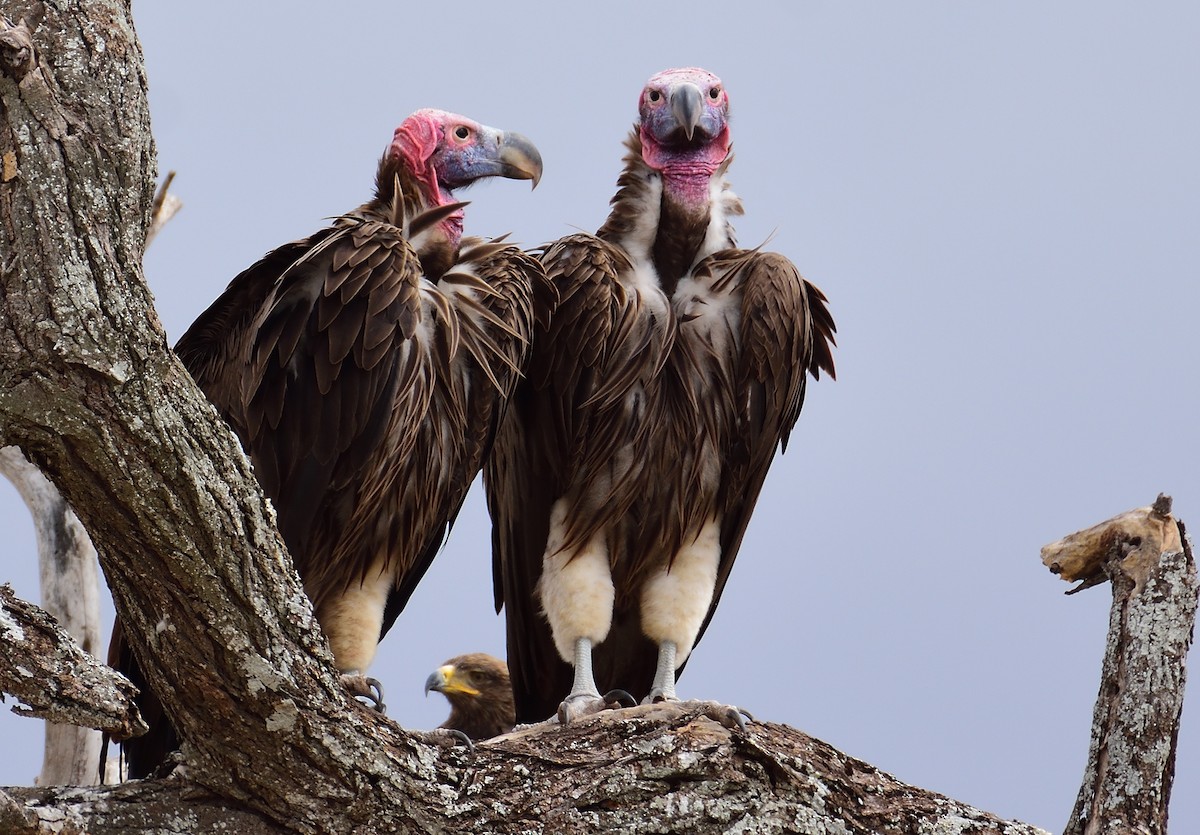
pixel 142 754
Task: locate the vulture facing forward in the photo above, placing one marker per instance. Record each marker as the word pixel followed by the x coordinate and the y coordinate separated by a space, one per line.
pixel 634 450
pixel 365 368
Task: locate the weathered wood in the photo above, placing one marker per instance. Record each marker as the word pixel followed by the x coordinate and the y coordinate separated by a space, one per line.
pixel 70 586
pixel 164 807
pixel 1147 556
pixel 650 769
pixel 43 667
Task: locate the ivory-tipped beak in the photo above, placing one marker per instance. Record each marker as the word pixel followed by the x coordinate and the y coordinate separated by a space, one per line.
pixel 520 158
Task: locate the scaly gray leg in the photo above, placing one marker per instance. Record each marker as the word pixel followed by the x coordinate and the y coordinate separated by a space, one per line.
pixel 663 689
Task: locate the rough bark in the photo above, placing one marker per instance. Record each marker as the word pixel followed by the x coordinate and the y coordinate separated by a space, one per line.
pixel 652 769
pixel 1147 557
pixel 57 680
pixel 70 586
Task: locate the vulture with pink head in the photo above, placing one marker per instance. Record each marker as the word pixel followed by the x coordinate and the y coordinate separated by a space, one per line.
pixel 365 369
pixel 633 452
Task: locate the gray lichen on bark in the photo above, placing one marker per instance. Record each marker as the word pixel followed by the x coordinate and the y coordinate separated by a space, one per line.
pixel 46 669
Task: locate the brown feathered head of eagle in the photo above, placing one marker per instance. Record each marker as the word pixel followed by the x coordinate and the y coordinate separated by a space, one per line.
pixel 480 695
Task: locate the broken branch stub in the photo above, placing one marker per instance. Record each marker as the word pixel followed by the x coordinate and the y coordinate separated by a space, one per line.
pixel 17 54
pixel 56 679
pixel 1136 539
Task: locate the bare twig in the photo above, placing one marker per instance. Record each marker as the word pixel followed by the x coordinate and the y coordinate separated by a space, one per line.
pixel 164 208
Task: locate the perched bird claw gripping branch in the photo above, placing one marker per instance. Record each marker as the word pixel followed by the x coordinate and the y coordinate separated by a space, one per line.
pixel 658 390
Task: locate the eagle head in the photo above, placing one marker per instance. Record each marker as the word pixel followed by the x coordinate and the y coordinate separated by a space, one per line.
pixel 684 122
pixel 480 694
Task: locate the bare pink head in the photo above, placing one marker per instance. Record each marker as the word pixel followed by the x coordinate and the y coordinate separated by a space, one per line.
pixel 444 151
pixel 684 128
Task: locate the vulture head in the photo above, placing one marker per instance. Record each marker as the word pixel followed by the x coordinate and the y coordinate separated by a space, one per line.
pixel 480 694
pixel 433 153
pixel 684 125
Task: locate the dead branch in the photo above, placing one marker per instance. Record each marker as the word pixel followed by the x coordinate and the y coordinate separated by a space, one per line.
pixel 44 668
pixel 165 206
pixel 70 586
pixel 1147 556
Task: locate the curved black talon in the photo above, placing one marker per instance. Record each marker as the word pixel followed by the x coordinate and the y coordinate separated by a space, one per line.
pixel 376 694
pixel 442 737
pixel 735 713
pixel 362 687
pixel 730 715
pixel 459 736
pixel 620 697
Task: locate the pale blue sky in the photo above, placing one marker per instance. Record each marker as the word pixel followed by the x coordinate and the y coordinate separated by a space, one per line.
pixel 1000 201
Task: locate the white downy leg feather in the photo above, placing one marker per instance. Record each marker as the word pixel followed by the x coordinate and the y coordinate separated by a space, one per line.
pixel 675 602
pixel 576 588
pixel 353 620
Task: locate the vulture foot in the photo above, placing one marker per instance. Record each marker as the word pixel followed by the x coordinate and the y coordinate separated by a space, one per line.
pixel 657 695
pixel 364 688
pixel 578 705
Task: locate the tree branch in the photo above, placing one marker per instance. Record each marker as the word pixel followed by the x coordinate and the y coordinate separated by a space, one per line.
pixel 167 807
pixel 70 585
pixel 1146 555
pixel 626 772
pixel 57 680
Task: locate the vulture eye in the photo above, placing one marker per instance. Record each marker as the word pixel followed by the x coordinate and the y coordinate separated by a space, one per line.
pixel 714 93
pixel 462 132
pixel 655 95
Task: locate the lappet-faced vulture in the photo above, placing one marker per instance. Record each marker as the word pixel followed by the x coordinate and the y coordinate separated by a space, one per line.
pixel 633 453
pixel 365 369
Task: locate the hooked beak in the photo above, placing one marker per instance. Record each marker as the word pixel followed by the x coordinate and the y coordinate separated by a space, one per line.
pixel 443 678
pixel 520 160
pixel 687 106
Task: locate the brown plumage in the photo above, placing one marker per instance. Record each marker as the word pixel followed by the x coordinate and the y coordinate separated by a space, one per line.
pixel 365 369
pixel 626 471
pixel 479 692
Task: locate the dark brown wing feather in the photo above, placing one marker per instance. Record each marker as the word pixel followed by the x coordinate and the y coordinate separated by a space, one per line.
pixel 327 370
pixel 787 334
pixel 498 291
pixel 586 358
